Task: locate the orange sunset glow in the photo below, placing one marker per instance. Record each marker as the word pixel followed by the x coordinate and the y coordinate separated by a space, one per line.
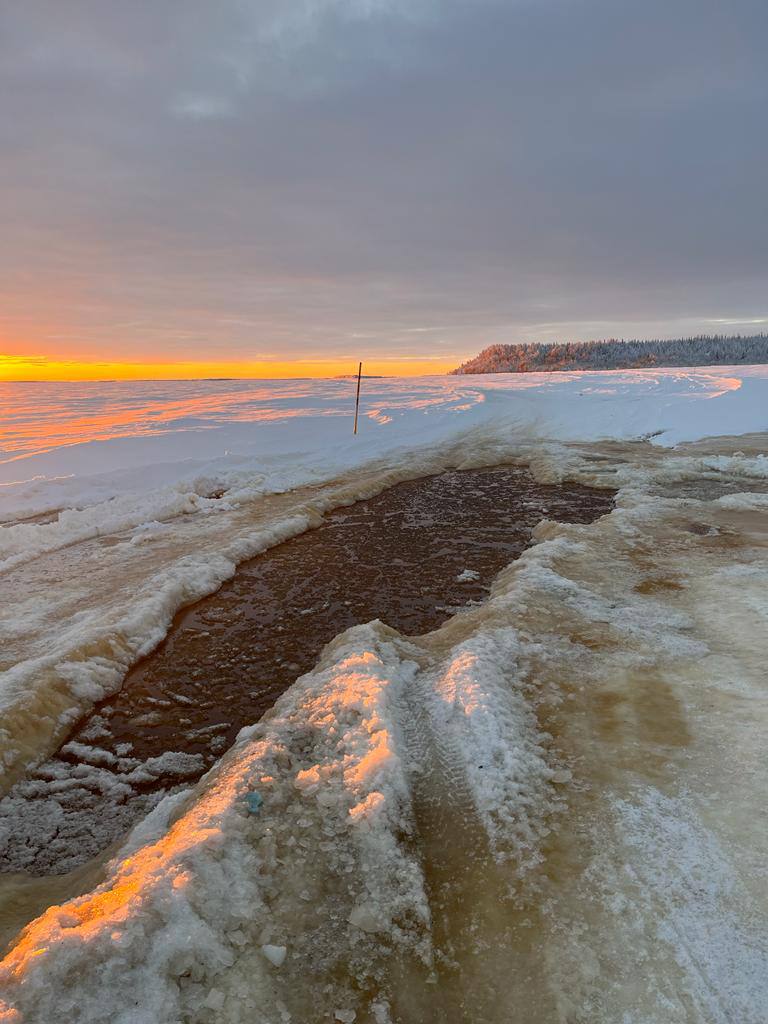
pixel 40 368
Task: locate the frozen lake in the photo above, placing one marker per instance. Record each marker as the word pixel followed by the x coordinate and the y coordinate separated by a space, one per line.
pixel 503 816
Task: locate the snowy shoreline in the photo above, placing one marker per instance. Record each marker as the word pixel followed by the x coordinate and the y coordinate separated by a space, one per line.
pixel 156 450
pixel 134 545
pixel 657 610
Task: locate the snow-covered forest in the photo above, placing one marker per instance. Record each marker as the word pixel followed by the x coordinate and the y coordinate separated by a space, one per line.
pixel 615 354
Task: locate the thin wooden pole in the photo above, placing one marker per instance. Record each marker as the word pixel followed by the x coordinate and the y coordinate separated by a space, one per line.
pixel 357 400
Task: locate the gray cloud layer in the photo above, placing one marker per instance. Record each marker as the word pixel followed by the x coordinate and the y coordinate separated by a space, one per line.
pixel 249 178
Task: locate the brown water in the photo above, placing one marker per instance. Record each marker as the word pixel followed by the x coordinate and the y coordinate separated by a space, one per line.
pixel 411 556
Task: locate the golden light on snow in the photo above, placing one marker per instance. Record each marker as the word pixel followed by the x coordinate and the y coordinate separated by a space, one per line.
pixel 347 706
pixel 135 879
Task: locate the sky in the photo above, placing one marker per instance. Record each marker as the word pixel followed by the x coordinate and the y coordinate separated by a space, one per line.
pixel 283 187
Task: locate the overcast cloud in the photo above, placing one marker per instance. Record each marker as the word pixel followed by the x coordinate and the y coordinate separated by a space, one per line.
pixel 279 179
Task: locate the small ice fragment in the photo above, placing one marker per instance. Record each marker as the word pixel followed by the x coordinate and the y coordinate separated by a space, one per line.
pixel 561 776
pixel 345 1016
pixel 215 999
pixel 467 576
pixel 363 918
pixel 275 954
pixel 254 801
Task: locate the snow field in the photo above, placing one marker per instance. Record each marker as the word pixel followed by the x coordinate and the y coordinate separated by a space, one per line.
pixel 93 589
pixel 585 684
pixel 353 857
pixel 144 451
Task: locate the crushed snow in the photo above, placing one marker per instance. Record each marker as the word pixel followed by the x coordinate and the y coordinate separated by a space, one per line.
pixel 467 576
pixel 556 777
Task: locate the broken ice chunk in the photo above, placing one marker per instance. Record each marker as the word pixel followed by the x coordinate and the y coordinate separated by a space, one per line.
pixel 275 954
pixel 254 802
pixel 363 917
pixel 215 999
pixel 467 576
pixel 562 776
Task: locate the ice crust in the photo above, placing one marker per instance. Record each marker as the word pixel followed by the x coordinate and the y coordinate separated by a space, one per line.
pixel 329 766
pixel 299 912
pixel 580 756
pixel 139 536
pixel 47 820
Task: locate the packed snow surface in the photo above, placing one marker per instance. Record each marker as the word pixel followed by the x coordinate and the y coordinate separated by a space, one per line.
pixel 544 811
pixel 170 443
pixel 548 808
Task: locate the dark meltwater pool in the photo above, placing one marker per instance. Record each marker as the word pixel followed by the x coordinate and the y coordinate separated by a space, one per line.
pixel 412 556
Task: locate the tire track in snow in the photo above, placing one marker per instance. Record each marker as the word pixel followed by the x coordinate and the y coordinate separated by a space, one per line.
pixel 483 939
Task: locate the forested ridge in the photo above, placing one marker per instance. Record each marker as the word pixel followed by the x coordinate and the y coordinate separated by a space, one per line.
pixel 615 354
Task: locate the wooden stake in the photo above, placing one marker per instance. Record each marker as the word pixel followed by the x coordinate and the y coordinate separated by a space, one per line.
pixel 357 400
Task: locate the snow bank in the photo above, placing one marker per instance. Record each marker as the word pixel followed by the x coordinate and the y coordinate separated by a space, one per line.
pixel 200 921
pixel 72 645
pixel 297 858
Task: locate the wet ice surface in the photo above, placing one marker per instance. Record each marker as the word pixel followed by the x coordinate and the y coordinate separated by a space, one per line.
pixel 411 556
pixel 707 488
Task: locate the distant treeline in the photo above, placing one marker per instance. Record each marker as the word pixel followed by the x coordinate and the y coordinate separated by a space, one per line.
pixel 613 354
